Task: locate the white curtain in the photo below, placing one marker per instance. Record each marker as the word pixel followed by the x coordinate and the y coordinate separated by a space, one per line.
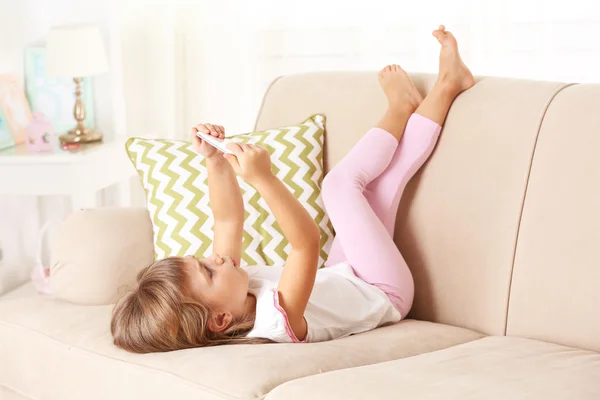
pixel 212 61
pixel 176 63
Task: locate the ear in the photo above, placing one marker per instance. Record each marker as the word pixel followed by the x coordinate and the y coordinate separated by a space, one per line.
pixel 218 322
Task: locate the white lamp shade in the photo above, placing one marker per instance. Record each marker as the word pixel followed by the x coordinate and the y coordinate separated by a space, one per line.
pixel 75 51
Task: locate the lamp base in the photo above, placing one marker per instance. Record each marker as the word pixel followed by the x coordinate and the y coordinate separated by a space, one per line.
pixel 81 136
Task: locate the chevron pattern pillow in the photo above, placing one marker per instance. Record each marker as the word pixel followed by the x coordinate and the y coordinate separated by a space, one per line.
pixel 175 180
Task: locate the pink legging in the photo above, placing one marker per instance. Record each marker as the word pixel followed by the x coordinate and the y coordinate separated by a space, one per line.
pixel 361 196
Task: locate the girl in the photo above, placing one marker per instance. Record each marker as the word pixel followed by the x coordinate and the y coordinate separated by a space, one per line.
pixel 184 302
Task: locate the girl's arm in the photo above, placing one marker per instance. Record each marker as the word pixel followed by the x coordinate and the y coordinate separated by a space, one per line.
pixel 295 286
pixel 227 207
pixel 224 194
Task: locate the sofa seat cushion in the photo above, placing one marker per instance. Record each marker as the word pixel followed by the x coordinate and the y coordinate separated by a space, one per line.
pixel 489 368
pixel 56 350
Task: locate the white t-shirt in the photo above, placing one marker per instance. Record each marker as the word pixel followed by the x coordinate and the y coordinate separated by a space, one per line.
pixel 341 304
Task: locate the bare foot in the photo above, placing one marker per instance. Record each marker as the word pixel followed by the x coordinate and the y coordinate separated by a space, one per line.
pixel 453 70
pixel 399 88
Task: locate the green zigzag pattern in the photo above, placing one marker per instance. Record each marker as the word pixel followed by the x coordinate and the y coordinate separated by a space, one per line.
pixel 179 207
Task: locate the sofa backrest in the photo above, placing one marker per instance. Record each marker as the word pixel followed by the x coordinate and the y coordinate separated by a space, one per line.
pixel 555 293
pixel 458 221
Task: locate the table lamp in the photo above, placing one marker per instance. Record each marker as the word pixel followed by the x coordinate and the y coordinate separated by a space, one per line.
pixel 76 51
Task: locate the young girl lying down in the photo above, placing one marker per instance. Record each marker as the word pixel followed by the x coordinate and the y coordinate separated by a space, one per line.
pixel 184 302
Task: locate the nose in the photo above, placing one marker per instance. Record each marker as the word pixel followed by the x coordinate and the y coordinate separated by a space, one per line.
pixel 226 259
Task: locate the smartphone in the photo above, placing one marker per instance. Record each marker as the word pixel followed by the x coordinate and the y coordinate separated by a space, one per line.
pixel 215 142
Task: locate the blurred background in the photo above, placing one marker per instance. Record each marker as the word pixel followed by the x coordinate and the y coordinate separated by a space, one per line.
pixel 177 63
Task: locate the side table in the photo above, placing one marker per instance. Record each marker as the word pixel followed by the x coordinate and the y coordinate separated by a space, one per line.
pixel 80 175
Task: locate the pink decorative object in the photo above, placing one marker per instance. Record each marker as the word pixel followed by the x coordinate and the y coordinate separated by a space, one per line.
pixel 40 275
pixel 40 134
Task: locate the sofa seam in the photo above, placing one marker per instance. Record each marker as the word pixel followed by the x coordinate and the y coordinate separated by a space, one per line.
pixel 484 336
pixel 264 100
pixel 523 201
pixel 7 386
pixel 144 367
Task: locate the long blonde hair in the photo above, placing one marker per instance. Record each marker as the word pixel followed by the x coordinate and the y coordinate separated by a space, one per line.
pixel 160 315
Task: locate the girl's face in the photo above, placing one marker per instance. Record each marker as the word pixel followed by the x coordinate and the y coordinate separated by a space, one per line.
pixel 220 284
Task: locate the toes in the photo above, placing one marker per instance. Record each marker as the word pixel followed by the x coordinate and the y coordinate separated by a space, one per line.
pixel 440 33
pixel 390 68
pixel 449 35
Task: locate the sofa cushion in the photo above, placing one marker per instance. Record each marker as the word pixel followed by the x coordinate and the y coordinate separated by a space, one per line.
pixel 459 216
pixel 176 182
pixel 554 293
pixel 97 252
pixel 55 350
pixel 490 368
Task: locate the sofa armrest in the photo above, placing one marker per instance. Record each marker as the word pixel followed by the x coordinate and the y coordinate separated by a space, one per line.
pixel 97 253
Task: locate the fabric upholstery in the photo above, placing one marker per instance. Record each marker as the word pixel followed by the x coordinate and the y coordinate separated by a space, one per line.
pixel 458 219
pixel 555 292
pixel 175 178
pixel 9 394
pixel 98 252
pixel 55 350
pixel 493 368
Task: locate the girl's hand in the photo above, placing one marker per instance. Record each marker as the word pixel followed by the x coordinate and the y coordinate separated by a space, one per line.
pixel 202 147
pixel 251 162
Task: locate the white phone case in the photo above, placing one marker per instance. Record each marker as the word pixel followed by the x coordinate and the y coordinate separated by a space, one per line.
pixel 215 142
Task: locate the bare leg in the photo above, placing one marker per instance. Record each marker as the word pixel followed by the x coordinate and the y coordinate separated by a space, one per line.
pixel 403 99
pixel 419 136
pixel 453 78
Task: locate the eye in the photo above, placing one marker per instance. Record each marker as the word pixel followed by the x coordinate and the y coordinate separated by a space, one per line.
pixel 208 270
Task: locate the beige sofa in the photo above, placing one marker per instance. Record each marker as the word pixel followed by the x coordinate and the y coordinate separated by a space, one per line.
pixel 501 229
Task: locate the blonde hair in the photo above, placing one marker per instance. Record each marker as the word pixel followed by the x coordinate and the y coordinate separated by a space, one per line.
pixel 160 315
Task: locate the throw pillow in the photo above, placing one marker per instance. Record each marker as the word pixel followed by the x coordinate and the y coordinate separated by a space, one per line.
pixel 175 180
